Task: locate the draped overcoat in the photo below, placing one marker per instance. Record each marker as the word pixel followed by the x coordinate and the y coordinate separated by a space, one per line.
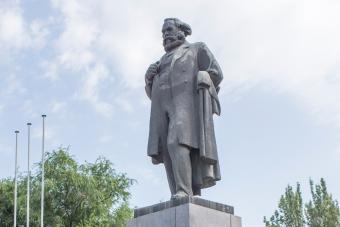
pixel 194 82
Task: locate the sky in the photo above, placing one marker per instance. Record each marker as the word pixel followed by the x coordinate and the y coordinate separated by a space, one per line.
pixel 83 63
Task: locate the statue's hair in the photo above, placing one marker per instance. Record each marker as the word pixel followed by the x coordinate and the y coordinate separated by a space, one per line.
pixel 181 25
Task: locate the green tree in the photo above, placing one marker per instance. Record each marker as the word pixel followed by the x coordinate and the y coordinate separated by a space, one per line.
pixel 321 211
pixel 90 194
pixel 290 212
pixel 6 202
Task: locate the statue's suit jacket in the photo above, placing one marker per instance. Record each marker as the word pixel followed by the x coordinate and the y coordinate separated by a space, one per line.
pixel 193 106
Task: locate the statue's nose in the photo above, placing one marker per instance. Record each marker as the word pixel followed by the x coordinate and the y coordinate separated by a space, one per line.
pixel 167 33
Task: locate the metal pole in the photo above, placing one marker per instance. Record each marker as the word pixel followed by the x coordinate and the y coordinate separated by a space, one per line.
pixel 42 172
pixel 15 179
pixel 28 175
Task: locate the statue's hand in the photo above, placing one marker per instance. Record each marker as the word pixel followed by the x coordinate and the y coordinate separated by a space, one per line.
pixel 151 73
pixel 154 161
pixel 203 80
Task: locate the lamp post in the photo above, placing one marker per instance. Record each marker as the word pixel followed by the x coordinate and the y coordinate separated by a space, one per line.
pixel 15 178
pixel 28 174
pixel 42 171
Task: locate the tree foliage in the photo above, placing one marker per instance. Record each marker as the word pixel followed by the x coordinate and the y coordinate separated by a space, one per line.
pixel 90 194
pixel 290 211
pixel 321 211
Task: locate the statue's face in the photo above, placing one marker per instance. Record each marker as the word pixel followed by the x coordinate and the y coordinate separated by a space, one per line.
pixel 170 32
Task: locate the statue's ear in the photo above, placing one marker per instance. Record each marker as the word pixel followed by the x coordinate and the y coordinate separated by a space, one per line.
pixel 203 59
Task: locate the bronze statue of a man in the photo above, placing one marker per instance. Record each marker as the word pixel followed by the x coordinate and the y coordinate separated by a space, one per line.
pixel 183 88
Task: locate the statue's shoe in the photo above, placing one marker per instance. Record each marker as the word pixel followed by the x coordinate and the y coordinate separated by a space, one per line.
pixel 179 195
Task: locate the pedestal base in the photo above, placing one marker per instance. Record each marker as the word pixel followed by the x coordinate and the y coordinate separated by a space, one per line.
pixel 187 212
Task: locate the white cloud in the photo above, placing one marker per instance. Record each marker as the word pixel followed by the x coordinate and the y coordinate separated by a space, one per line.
pixel 287 46
pixel 50 70
pixel 39 31
pixel 124 104
pixel 74 44
pixel 57 107
pixel 90 90
pixel 15 32
pixel 12 86
pixel 292 48
pixel 12 26
pixel 51 134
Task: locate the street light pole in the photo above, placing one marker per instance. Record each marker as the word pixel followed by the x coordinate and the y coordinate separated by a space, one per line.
pixel 28 175
pixel 42 172
pixel 15 179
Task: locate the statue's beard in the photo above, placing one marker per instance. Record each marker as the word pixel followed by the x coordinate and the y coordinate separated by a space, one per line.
pixel 171 42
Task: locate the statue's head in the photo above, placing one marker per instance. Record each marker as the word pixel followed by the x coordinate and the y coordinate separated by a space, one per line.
pixel 174 33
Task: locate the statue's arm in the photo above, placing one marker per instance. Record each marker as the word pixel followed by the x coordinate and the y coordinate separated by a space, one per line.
pixel 148 87
pixel 149 76
pixel 208 63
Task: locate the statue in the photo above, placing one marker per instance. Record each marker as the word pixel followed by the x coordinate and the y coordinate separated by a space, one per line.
pixel 183 87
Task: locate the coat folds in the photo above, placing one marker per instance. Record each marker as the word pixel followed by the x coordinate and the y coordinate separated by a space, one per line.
pixel 194 102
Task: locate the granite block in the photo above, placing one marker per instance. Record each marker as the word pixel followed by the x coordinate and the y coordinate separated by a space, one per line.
pixel 185 213
pixel 235 221
pixel 173 203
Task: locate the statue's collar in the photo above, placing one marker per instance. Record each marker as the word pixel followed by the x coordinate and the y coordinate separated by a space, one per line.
pixel 183 46
pixel 180 51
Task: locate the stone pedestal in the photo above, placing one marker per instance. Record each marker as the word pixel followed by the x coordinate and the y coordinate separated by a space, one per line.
pixel 186 212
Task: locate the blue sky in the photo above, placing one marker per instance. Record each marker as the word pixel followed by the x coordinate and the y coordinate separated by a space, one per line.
pixel 83 62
